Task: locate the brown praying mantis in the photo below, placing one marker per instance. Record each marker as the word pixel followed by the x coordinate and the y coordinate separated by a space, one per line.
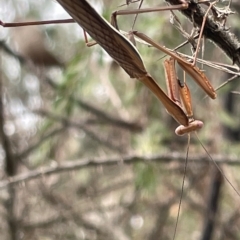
pixel 123 52
pixel 127 56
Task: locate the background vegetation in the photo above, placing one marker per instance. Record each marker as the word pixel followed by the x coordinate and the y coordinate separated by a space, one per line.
pixel 114 166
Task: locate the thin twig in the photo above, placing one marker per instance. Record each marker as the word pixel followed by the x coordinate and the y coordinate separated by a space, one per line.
pixel 223 38
pixel 109 161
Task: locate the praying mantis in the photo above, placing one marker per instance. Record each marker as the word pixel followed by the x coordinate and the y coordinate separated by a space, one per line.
pixel 127 56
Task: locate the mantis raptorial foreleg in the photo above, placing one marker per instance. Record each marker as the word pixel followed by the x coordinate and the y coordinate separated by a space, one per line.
pixel 180 94
pixel 198 76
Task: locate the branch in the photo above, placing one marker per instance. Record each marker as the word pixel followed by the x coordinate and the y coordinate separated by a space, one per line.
pixel 37 144
pixel 130 159
pixel 213 30
pixel 212 205
pixel 10 161
pixel 10 169
pixel 46 223
pixel 8 50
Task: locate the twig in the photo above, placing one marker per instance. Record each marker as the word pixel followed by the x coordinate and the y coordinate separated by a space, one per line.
pixel 223 38
pixel 8 50
pixel 40 141
pixel 129 159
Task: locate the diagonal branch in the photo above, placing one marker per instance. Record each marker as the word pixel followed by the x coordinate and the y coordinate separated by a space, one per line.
pixel 213 31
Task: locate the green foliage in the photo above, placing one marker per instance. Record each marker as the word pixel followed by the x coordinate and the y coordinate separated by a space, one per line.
pixel 146 177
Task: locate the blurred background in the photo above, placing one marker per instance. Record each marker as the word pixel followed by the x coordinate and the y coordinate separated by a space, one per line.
pixel 65 104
